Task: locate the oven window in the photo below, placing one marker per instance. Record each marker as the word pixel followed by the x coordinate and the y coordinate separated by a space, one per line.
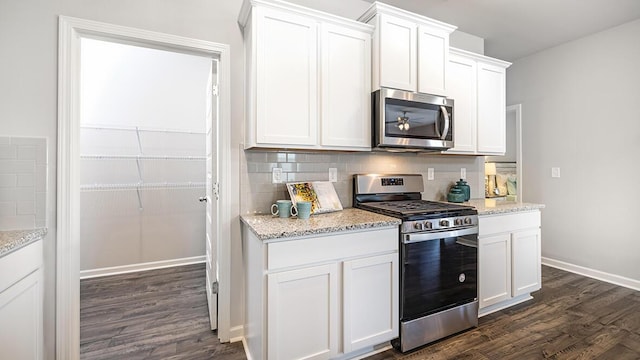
pixel 407 119
pixel 438 274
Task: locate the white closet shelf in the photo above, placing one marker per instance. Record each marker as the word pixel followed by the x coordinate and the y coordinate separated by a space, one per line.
pixel 144 186
pixel 139 128
pixel 141 157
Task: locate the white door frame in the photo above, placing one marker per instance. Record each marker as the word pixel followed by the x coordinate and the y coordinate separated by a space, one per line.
pixel 517 109
pixel 71 30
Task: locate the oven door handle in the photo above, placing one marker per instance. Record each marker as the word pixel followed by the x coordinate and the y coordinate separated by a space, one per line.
pixel 418 237
pixel 445 131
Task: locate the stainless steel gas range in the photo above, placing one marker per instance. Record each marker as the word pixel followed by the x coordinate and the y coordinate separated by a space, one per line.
pixel 438 253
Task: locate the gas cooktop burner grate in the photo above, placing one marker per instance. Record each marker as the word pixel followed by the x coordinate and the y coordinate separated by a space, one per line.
pixel 413 207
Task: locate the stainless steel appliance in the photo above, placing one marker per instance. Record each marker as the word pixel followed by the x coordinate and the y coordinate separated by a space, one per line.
pixel 408 121
pixel 438 253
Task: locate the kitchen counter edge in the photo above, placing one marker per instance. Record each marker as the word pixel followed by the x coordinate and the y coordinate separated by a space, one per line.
pixel 269 227
pixel 493 207
pixel 12 240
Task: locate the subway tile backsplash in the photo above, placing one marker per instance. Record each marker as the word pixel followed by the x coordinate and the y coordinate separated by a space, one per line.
pixel 23 178
pixel 258 193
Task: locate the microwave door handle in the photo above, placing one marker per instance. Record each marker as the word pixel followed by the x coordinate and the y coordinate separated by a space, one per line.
pixel 445 131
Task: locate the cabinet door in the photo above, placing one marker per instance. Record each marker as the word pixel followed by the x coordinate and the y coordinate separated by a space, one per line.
pixel 21 319
pixel 462 88
pixel 346 88
pixel 494 267
pixel 526 267
pixel 398 53
pixel 491 109
pixel 302 313
pixel 433 60
pixel 370 301
pixel 287 79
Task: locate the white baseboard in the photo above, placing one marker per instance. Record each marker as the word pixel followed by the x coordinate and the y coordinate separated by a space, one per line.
pixel 504 304
pixel 236 333
pixel 124 269
pixel 246 347
pixel 595 274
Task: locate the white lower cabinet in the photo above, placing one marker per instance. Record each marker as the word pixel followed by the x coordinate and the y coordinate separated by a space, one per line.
pixel 370 291
pixel 302 313
pixel 509 259
pixel 21 304
pixel 321 297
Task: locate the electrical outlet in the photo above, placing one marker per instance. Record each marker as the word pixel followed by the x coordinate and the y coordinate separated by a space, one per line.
pixel 276 175
pixel 430 174
pixel 555 172
pixel 463 173
pixel 333 174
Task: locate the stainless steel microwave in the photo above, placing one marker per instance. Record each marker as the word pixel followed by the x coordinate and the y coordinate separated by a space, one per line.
pixel 409 121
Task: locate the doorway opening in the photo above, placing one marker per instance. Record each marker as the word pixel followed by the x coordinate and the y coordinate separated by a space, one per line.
pixel 136 145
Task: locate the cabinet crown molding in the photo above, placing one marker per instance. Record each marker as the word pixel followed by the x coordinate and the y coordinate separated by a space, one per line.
pixel 318 15
pixel 382 8
pixel 479 57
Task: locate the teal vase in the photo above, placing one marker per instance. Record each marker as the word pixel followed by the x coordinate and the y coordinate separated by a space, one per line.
pixel 466 189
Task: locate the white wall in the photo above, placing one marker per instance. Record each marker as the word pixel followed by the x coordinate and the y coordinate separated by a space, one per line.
pixel 164 95
pixel 580 113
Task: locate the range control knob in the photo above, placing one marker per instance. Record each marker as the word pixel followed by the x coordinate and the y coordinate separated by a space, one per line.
pixel 444 222
pixel 418 226
pixel 467 221
pixel 428 225
pixel 458 221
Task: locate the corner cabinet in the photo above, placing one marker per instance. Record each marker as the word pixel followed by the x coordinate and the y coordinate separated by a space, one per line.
pixel 410 51
pixel 21 302
pixel 321 297
pixel 509 256
pixel 477 84
pixel 308 78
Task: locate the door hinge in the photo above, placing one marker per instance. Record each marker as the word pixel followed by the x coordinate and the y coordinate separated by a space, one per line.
pixel 215 188
pixel 214 287
pixel 214 90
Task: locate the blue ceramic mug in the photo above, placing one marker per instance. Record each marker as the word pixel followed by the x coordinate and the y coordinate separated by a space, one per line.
pixel 282 208
pixel 303 208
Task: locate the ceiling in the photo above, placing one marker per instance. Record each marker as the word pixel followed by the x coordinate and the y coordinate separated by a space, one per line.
pixel 513 29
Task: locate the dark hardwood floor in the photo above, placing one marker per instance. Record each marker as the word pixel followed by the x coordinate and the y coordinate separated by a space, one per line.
pixel 157 314
pixel 162 314
pixel 571 317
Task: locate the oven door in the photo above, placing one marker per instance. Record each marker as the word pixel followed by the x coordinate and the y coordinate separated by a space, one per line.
pixel 439 271
pixel 411 120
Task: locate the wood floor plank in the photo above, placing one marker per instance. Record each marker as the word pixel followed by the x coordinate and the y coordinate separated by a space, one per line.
pixel 571 317
pixel 158 314
pixel 162 314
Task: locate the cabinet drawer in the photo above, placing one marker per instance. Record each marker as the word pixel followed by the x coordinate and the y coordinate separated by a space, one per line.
pixel 499 223
pixel 306 251
pixel 19 264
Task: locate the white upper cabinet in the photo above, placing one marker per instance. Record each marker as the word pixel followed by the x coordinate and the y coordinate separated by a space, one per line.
pixel 491 109
pixel 287 78
pixel 396 50
pixel 308 78
pixel 477 85
pixel 462 88
pixel 433 60
pixel 410 51
pixel 346 87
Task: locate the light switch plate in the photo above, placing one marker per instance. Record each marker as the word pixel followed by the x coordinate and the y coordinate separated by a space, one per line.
pixel 463 173
pixel 276 175
pixel 555 172
pixel 430 174
pixel 333 174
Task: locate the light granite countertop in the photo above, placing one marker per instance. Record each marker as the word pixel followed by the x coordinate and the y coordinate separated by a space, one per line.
pixel 269 227
pixel 13 240
pixel 492 206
